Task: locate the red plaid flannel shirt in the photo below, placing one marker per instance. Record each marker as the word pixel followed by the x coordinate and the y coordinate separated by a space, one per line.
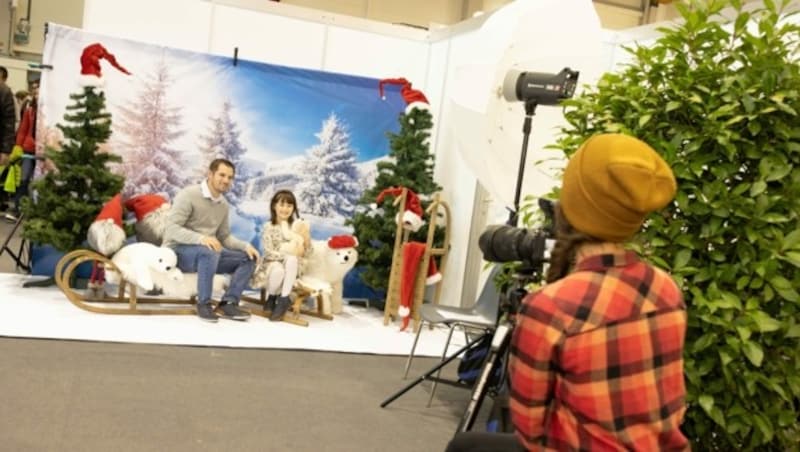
pixel 596 360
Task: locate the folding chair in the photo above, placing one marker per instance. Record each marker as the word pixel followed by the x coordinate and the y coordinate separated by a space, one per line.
pixel 482 315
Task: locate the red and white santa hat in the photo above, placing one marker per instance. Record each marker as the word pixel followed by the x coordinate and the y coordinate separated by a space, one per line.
pixel 413 97
pixel 106 234
pixel 144 205
pixel 338 242
pixel 91 75
pixel 411 218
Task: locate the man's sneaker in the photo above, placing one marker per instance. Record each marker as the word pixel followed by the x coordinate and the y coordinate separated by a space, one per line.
pixel 269 306
pixel 206 313
pixel 231 311
pixel 282 304
pixel 11 216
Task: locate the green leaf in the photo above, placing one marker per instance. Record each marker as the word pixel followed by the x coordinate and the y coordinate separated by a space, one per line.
pixel 765 323
pixel 791 240
pixel 780 283
pixel 707 402
pixel 682 258
pixel 793 331
pixel 753 352
pixel 644 119
pixel 763 424
pixel 757 188
pixel 672 105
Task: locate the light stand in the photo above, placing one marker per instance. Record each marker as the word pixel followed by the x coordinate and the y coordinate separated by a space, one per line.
pixel 530 111
pixel 501 334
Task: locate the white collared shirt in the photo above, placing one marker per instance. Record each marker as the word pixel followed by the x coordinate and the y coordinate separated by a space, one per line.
pixel 207 192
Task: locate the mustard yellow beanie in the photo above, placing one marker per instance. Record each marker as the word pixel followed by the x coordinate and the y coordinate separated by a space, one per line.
pixel 612 183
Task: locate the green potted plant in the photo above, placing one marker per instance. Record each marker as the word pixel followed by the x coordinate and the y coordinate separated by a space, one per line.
pixel 718 94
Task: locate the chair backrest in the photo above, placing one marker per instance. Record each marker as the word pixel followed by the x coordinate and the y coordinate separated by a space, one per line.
pixel 488 301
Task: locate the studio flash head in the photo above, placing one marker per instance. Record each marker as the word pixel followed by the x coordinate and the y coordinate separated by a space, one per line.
pixel 538 87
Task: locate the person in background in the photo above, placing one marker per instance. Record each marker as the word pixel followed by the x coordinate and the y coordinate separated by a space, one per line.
pixel 284 241
pixel 8 123
pixel 21 100
pixel 596 356
pixel 198 229
pixel 26 139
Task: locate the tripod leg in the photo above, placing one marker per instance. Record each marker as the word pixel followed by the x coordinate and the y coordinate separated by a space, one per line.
pixel 499 348
pixel 444 354
pixel 413 347
pixel 430 372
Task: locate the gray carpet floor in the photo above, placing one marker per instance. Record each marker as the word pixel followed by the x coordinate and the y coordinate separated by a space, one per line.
pixel 92 396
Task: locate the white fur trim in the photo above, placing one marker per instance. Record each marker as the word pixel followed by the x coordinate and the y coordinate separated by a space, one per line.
pixel 105 237
pixel 91 80
pixel 420 105
pixel 151 228
pixel 403 311
pixel 433 279
pixel 412 221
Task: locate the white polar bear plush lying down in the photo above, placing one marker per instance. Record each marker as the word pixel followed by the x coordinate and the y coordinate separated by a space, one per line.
pixel 138 262
pixel 326 266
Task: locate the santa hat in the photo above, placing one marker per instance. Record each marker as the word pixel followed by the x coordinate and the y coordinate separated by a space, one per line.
pixel 411 217
pixel 151 217
pixel 413 97
pixel 409 269
pixel 90 64
pixel 338 242
pixel 144 205
pixel 106 234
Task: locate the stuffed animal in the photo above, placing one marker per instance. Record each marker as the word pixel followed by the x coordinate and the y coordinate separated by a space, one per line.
pixel 138 261
pixel 326 265
pixel 298 234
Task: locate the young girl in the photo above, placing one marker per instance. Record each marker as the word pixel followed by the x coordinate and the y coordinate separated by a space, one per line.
pixel 284 241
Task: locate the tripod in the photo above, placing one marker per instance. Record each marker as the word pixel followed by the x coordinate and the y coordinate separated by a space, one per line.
pixel 21 258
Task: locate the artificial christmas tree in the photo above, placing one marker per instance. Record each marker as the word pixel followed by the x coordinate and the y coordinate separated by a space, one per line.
pixel 69 198
pixel 410 164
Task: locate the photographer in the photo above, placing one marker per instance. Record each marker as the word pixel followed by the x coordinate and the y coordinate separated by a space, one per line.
pixel 596 357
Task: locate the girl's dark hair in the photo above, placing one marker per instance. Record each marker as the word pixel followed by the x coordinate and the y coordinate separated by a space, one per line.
pixel 288 197
pixel 562 258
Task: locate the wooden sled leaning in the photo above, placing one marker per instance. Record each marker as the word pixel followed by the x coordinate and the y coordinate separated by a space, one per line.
pixel 102 303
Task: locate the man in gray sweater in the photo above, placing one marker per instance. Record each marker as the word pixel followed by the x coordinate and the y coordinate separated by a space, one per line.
pixel 199 231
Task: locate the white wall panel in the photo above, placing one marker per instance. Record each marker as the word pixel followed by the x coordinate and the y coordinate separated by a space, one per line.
pixel 182 24
pixel 372 55
pixel 278 40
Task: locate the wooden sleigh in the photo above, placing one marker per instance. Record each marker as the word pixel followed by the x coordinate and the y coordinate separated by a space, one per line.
pixel 95 299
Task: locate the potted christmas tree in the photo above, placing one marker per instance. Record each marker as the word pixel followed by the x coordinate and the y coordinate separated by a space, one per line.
pixel 68 198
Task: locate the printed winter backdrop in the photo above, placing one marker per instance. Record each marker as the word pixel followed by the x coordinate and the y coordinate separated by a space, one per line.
pixel 316 133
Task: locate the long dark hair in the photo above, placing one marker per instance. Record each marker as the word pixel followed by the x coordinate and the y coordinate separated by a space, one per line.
pixel 562 258
pixel 288 197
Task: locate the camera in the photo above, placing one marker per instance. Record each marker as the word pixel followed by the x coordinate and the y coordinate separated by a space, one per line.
pixel 538 87
pixel 503 243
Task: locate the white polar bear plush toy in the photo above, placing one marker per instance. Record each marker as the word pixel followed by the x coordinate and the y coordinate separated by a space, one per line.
pixel 326 266
pixel 138 261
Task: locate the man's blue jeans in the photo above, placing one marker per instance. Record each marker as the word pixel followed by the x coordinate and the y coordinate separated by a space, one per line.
pixel 207 262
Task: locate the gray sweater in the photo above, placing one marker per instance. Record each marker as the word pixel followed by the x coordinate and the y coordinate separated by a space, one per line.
pixel 193 216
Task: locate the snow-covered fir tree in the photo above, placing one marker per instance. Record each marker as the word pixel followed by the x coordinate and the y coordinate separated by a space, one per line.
pixel 144 132
pixel 329 185
pixel 222 141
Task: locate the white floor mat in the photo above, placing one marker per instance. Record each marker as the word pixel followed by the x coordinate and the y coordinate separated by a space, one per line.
pixel 47 313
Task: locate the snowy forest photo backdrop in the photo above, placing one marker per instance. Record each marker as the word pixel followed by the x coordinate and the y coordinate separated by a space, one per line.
pixel 316 133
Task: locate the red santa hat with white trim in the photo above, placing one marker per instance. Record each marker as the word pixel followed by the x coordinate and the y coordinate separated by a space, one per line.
pixel 91 75
pixel 106 234
pixel 151 212
pixel 411 217
pixel 414 98
pixel 338 242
